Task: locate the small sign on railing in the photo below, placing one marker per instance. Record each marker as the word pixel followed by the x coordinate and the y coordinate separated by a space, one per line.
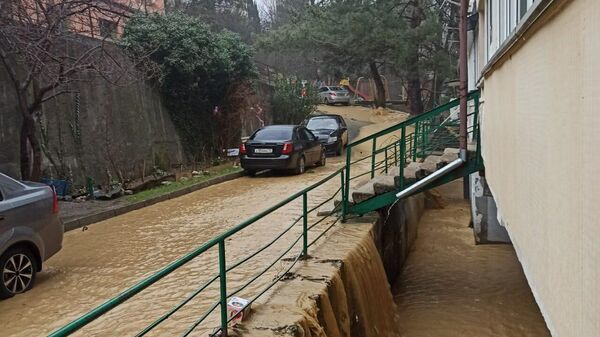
pixel 238 309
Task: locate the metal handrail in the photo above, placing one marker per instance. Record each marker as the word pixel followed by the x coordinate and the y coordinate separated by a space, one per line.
pixel 419 138
pixel 219 241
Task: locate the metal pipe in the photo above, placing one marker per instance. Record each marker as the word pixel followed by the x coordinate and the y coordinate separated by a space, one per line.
pixel 430 178
pixel 462 27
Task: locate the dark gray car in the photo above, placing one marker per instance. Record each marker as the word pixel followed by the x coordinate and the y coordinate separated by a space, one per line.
pixel 281 147
pixel 30 232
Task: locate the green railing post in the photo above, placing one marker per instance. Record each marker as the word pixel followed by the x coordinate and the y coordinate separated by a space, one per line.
pixel 423 139
pixel 346 186
pixel 402 162
pixel 223 287
pixel 385 160
pixel 396 152
pixel 415 142
pixel 304 224
pixel 373 155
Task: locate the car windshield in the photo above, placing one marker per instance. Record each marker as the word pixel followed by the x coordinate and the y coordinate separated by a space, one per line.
pixel 336 89
pixel 322 123
pixel 273 134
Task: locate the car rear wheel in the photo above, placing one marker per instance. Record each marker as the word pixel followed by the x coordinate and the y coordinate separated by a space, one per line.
pixel 18 272
pixel 323 159
pixel 300 166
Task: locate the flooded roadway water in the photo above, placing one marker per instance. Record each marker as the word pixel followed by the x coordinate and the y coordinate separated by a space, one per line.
pixel 99 263
pixel 451 287
pixel 112 255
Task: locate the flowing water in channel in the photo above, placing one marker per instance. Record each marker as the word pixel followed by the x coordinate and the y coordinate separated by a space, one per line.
pixel 451 287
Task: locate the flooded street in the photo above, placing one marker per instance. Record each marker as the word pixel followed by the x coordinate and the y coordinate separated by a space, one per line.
pixel 451 287
pixel 97 264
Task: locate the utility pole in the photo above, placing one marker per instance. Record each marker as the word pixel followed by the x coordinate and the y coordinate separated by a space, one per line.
pixel 463 87
pixel 462 69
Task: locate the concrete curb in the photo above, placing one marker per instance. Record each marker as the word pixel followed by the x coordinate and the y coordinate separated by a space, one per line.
pixel 103 215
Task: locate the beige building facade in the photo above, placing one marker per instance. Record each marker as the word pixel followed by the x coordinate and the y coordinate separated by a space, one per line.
pixel 538 66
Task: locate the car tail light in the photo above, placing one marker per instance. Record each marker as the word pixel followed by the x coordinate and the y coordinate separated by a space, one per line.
pixel 243 148
pixel 54 201
pixel 287 148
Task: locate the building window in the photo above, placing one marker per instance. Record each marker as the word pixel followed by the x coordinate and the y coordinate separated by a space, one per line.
pixel 524 6
pixel 108 28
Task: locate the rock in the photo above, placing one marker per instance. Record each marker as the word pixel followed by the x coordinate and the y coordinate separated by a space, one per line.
pixel 166 183
pixel 80 199
pixel 184 179
pixel 450 150
pixel 67 198
pixel 384 184
pixel 195 173
pixel 364 192
pixel 206 173
pixel 128 192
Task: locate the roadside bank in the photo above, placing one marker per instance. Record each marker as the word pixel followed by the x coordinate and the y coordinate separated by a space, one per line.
pixel 107 209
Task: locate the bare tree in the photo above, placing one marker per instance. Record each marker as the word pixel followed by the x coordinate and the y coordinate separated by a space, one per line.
pixel 46 46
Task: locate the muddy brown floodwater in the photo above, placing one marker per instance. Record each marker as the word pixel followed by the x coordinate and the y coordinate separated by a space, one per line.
pixel 451 287
pixel 97 264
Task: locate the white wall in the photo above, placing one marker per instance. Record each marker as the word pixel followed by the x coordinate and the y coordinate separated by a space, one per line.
pixel 541 147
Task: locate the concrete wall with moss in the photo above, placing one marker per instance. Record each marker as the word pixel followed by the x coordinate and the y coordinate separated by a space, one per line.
pixel 121 130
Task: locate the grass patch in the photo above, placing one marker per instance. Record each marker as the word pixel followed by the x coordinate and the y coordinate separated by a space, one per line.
pixel 178 185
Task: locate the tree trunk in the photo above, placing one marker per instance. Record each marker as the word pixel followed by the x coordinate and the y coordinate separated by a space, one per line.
pixel 413 87
pixel 380 88
pixel 31 168
pixel 413 90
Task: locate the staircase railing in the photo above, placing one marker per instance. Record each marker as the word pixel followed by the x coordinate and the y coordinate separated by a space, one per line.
pixel 409 141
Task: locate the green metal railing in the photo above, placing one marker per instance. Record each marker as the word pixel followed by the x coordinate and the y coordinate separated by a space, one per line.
pixel 219 241
pixel 419 137
pixel 395 146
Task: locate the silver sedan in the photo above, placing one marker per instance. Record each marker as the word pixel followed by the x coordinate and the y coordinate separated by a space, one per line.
pixel 333 95
pixel 30 232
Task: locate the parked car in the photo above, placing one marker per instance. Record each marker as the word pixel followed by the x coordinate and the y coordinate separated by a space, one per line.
pixel 281 147
pixel 331 131
pixel 333 95
pixel 30 232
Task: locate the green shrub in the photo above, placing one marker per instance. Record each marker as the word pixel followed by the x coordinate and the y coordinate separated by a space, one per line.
pixel 289 105
pixel 196 67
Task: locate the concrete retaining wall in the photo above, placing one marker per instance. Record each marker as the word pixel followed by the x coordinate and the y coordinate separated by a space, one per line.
pixel 344 288
pixel 103 127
